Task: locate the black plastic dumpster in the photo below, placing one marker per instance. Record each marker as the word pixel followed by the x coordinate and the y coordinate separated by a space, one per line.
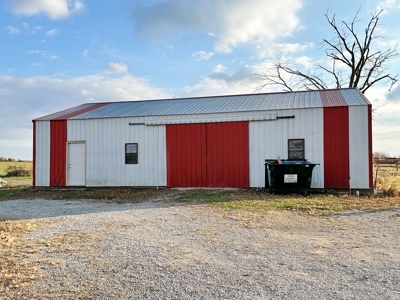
pixel 288 176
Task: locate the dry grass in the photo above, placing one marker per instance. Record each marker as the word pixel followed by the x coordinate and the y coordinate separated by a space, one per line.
pixel 388 181
pixel 27 165
pixel 315 205
pixel 261 202
pixel 15 271
pixel 18 269
pixel 18 182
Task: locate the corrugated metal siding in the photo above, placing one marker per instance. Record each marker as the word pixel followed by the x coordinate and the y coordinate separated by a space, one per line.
pixel 105 150
pixel 210 118
pixel 359 147
pixel 269 139
pixel 58 144
pixel 34 154
pixel 331 98
pixel 105 157
pixel 42 154
pixel 336 147
pixel 228 154
pixel 208 155
pixel 186 155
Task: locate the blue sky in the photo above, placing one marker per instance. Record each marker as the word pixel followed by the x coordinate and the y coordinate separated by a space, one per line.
pixel 55 54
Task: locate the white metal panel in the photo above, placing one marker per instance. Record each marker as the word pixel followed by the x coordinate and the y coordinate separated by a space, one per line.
pixel 105 150
pixel 207 118
pixel 42 159
pixel 269 139
pixel 358 147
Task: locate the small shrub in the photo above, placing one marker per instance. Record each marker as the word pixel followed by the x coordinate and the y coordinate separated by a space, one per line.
pixel 389 183
pixel 14 171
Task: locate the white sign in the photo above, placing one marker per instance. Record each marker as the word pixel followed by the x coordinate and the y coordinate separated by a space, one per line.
pixel 290 178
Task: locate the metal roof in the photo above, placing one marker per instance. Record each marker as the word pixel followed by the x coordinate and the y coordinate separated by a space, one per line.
pixel 64 112
pixel 216 104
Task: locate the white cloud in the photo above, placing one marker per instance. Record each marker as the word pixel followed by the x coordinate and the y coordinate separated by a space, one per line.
pixel 12 30
pixel 257 20
pixel 386 125
pixel 85 52
pixel 44 54
pixel 305 61
pixel 271 50
pixel 52 32
pixel 220 82
pixel 54 9
pixel 389 5
pixel 117 68
pixel 25 99
pixel 36 52
pixel 29 29
pixel 219 68
pixel 232 24
pixel 202 55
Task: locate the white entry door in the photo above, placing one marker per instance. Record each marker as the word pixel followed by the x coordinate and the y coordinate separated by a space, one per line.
pixel 76 164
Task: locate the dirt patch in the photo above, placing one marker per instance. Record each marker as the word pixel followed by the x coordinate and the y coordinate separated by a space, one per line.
pixel 117 195
pixel 137 195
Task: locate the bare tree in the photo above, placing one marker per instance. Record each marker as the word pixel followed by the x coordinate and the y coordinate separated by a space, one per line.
pixel 355 61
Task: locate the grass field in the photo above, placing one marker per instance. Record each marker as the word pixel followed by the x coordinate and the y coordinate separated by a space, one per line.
pixel 314 204
pixel 15 182
pixel 19 164
pixel 388 181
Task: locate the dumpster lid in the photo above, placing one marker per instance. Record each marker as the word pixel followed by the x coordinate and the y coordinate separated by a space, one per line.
pixel 288 162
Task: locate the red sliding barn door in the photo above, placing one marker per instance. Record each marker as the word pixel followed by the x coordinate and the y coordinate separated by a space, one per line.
pixel 208 155
pixel 186 160
pixel 228 154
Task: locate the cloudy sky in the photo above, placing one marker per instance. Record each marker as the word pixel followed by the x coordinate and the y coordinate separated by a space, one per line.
pixel 55 54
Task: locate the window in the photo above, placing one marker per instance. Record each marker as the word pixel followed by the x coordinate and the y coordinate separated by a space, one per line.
pixel 131 153
pixel 296 149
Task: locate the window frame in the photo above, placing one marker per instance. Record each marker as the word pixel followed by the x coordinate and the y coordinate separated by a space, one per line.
pixel 302 151
pixel 132 158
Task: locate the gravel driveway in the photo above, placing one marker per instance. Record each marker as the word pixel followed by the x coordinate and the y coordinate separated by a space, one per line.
pixel 155 250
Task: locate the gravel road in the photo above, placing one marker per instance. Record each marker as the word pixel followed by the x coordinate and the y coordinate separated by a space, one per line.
pixel 155 250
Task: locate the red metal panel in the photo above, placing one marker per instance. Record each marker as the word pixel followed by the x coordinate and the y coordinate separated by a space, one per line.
pixel 228 154
pixel 34 155
pixel 58 144
pixel 81 111
pixel 186 155
pixel 332 98
pixel 370 145
pixel 336 147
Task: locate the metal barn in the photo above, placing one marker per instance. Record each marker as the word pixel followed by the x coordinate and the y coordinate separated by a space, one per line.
pixel 217 141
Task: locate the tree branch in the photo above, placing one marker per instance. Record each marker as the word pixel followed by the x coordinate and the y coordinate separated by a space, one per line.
pixel 356 61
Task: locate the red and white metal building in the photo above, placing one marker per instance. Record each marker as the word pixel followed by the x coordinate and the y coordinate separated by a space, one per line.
pixel 217 141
